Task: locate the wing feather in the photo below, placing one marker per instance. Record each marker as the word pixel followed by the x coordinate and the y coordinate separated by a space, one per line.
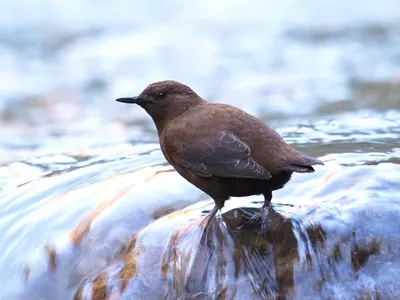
pixel 224 156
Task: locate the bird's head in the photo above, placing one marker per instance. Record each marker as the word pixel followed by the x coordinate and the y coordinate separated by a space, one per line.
pixel 165 100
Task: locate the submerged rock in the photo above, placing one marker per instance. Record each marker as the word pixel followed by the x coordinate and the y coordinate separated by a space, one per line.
pixel 335 238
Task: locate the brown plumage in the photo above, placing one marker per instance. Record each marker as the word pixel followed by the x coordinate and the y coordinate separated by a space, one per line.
pixel 219 148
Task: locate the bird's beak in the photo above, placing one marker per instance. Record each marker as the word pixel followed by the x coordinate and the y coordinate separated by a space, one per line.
pixel 135 100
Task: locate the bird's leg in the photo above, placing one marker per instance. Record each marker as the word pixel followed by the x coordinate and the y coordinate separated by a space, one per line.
pixel 265 209
pixel 218 205
pixel 267 200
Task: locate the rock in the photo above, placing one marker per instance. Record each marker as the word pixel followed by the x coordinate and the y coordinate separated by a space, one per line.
pixel 338 240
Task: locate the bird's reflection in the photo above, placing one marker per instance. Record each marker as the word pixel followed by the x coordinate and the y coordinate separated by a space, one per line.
pixel 245 250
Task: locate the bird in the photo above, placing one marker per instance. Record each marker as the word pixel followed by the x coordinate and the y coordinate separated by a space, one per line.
pixel 219 148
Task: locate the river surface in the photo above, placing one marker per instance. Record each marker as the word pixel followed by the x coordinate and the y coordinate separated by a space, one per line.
pixel 89 208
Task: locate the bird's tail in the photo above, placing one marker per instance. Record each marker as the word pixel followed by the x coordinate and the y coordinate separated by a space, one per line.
pixel 303 164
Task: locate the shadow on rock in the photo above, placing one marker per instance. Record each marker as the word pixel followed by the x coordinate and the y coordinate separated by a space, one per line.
pixel 247 253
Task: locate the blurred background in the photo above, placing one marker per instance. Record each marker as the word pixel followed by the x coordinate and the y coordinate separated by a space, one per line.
pixel 64 63
pixel 325 74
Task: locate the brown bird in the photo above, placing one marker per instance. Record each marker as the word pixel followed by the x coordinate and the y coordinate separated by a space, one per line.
pixel 219 148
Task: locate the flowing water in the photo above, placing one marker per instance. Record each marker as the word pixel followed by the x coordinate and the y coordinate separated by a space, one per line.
pixel 89 208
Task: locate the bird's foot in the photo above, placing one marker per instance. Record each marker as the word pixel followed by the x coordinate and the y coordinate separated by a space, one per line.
pixel 262 215
pixel 211 215
pixel 265 218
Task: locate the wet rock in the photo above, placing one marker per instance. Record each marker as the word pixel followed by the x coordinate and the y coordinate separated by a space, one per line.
pixel 339 240
pixel 110 212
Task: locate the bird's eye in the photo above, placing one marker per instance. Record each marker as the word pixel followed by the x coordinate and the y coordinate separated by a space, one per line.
pixel 160 95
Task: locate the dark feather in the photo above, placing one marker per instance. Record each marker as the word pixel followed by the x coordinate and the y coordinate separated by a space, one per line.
pixel 304 166
pixel 297 168
pixel 224 156
pixel 310 161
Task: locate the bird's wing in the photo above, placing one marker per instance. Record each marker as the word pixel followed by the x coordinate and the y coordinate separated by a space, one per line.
pixel 224 156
